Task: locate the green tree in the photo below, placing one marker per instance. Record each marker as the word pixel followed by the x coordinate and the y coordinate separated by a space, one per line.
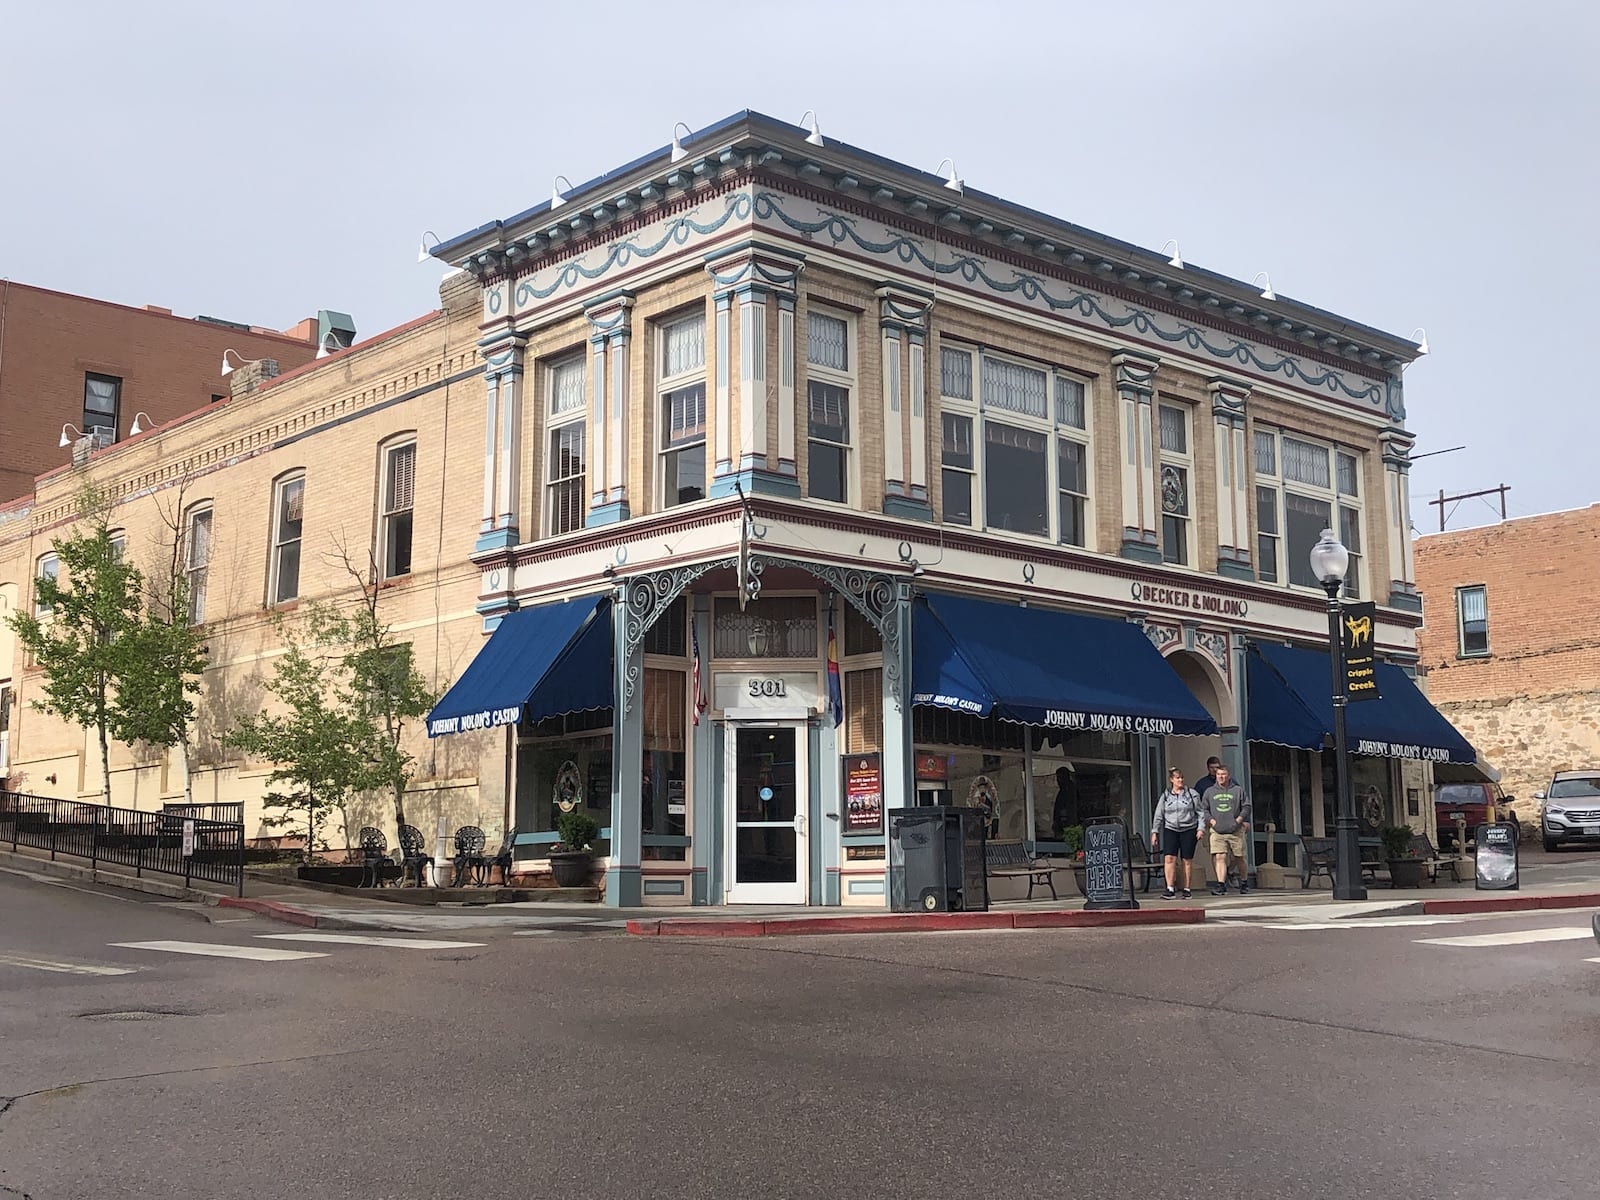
pixel 386 686
pixel 83 637
pixel 327 750
pixel 168 653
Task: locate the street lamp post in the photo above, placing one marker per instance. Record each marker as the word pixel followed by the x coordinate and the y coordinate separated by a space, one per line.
pixel 1329 562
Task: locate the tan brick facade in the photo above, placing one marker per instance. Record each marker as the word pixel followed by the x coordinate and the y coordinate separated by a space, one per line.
pixel 1531 705
pixel 329 420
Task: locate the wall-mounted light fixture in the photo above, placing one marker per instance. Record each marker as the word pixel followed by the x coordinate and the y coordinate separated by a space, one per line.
pixel 1177 257
pixel 1266 286
pixel 1422 343
pixel 65 440
pixel 139 424
pixel 228 369
pixel 557 197
pixel 952 180
pixel 678 152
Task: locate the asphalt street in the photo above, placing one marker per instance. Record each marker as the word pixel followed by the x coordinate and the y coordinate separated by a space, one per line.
pixel 1313 1059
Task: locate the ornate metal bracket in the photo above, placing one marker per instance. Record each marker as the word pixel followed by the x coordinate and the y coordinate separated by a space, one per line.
pixel 875 596
pixel 646 597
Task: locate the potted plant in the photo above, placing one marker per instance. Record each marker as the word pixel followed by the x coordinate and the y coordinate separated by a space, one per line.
pixel 571 859
pixel 1405 868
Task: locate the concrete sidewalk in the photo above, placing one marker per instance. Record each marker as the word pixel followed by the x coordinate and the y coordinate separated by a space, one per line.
pixel 1549 881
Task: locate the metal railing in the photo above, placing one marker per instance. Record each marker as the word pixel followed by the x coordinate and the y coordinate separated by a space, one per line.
pixel 167 843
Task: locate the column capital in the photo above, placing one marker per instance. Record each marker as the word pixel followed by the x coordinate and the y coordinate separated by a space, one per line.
pixel 1396 445
pixel 502 352
pixel 1228 397
pixel 903 309
pixel 754 266
pixel 1135 371
pixel 609 314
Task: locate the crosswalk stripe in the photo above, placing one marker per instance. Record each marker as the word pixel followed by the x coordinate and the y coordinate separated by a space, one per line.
pixel 1518 937
pixel 64 968
pixel 356 939
pixel 214 950
pixel 1359 924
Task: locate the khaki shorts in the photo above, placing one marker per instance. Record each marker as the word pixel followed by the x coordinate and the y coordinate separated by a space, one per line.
pixel 1232 842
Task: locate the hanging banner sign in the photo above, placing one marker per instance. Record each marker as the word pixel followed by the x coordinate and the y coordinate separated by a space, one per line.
pixel 1360 669
pixel 863 793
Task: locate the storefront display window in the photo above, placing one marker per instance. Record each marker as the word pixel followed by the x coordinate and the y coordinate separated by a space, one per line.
pixel 564 764
pixel 663 785
pixel 1371 785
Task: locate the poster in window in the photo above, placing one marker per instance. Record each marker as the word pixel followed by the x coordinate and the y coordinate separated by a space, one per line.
pixel 863 793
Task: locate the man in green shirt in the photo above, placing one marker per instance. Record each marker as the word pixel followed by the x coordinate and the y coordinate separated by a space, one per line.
pixel 1225 817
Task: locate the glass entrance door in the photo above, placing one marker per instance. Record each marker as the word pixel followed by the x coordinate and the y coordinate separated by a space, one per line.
pixel 767 787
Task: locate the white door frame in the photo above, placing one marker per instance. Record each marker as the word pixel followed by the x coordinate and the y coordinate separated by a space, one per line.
pixel 794 719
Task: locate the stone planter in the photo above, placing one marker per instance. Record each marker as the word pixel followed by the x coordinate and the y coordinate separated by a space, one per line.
pixel 572 868
pixel 1405 872
pixel 345 875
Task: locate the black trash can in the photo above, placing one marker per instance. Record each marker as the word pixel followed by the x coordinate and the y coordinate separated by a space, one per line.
pixel 936 860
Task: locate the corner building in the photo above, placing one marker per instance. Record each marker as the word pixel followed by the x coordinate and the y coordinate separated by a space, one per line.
pixel 815 486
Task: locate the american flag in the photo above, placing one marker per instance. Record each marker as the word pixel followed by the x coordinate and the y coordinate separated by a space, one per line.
pixel 699 696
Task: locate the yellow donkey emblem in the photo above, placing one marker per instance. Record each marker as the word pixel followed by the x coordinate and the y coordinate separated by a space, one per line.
pixel 1360 630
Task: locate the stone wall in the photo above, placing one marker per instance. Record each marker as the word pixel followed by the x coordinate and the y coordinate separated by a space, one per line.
pixel 1530 738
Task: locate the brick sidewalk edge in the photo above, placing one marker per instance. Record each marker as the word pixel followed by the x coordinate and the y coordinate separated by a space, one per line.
pixel 910 922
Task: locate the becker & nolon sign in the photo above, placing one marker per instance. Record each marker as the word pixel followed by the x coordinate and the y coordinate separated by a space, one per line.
pixel 1190 600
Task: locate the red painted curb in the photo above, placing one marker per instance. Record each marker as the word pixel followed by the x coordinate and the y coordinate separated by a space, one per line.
pixel 1444 908
pixel 1102 918
pixel 1580 900
pixel 270 908
pixel 913 923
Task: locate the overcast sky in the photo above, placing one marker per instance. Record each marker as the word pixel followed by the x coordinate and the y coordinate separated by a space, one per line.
pixel 1428 164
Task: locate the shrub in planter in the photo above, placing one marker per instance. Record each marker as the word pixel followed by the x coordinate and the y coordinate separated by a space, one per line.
pixel 1405 868
pixel 571 859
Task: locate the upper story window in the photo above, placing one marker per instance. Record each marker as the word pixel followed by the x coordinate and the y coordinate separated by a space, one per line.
pixel 102 398
pixel 399 490
pixel 1302 488
pixel 48 567
pixel 830 386
pixel 119 545
pixel 565 472
pixel 1472 621
pixel 1177 485
pixel 197 561
pixel 681 401
pixel 288 525
pixel 1032 425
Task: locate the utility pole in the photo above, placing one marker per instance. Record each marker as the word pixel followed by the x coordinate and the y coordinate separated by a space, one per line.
pixel 1494 491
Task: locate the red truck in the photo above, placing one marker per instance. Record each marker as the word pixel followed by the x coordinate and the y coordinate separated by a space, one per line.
pixel 1474 803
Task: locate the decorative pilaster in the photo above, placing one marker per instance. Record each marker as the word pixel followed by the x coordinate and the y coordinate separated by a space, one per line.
pixel 624 865
pixel 1141 516
pixel 611 332
pixel 1228 397
pixel 762 282
pixel 903 319
pixel 502 442
pixel 1396 446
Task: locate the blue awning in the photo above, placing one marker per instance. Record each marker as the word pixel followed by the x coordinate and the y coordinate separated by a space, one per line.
pixel 1290 698
pixel 1040 667
pixel 540 662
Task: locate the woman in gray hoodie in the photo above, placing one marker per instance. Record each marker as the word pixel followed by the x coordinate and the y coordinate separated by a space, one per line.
pixel 1175 827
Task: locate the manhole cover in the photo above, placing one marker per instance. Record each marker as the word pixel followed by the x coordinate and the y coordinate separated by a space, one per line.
pixel 133 1014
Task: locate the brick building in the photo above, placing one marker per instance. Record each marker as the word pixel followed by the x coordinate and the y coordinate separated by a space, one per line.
pixel 1511 652
pixel 761 488
pixel 74 361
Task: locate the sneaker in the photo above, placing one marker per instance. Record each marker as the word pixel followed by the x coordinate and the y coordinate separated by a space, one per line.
pixel 1219 889
pixel 1169 894
pixel 1187 894
pixel 1244 887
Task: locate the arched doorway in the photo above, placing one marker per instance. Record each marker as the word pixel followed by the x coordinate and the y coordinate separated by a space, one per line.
pixel 1201 677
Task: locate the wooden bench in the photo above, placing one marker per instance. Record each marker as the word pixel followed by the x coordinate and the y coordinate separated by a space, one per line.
pixel 1014 859
pixel 1142 862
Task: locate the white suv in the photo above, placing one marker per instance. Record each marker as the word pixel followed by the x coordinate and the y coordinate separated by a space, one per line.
pixel 1571 809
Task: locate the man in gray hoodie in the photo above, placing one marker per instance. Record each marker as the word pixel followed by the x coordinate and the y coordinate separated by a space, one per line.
pixel 1225 815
